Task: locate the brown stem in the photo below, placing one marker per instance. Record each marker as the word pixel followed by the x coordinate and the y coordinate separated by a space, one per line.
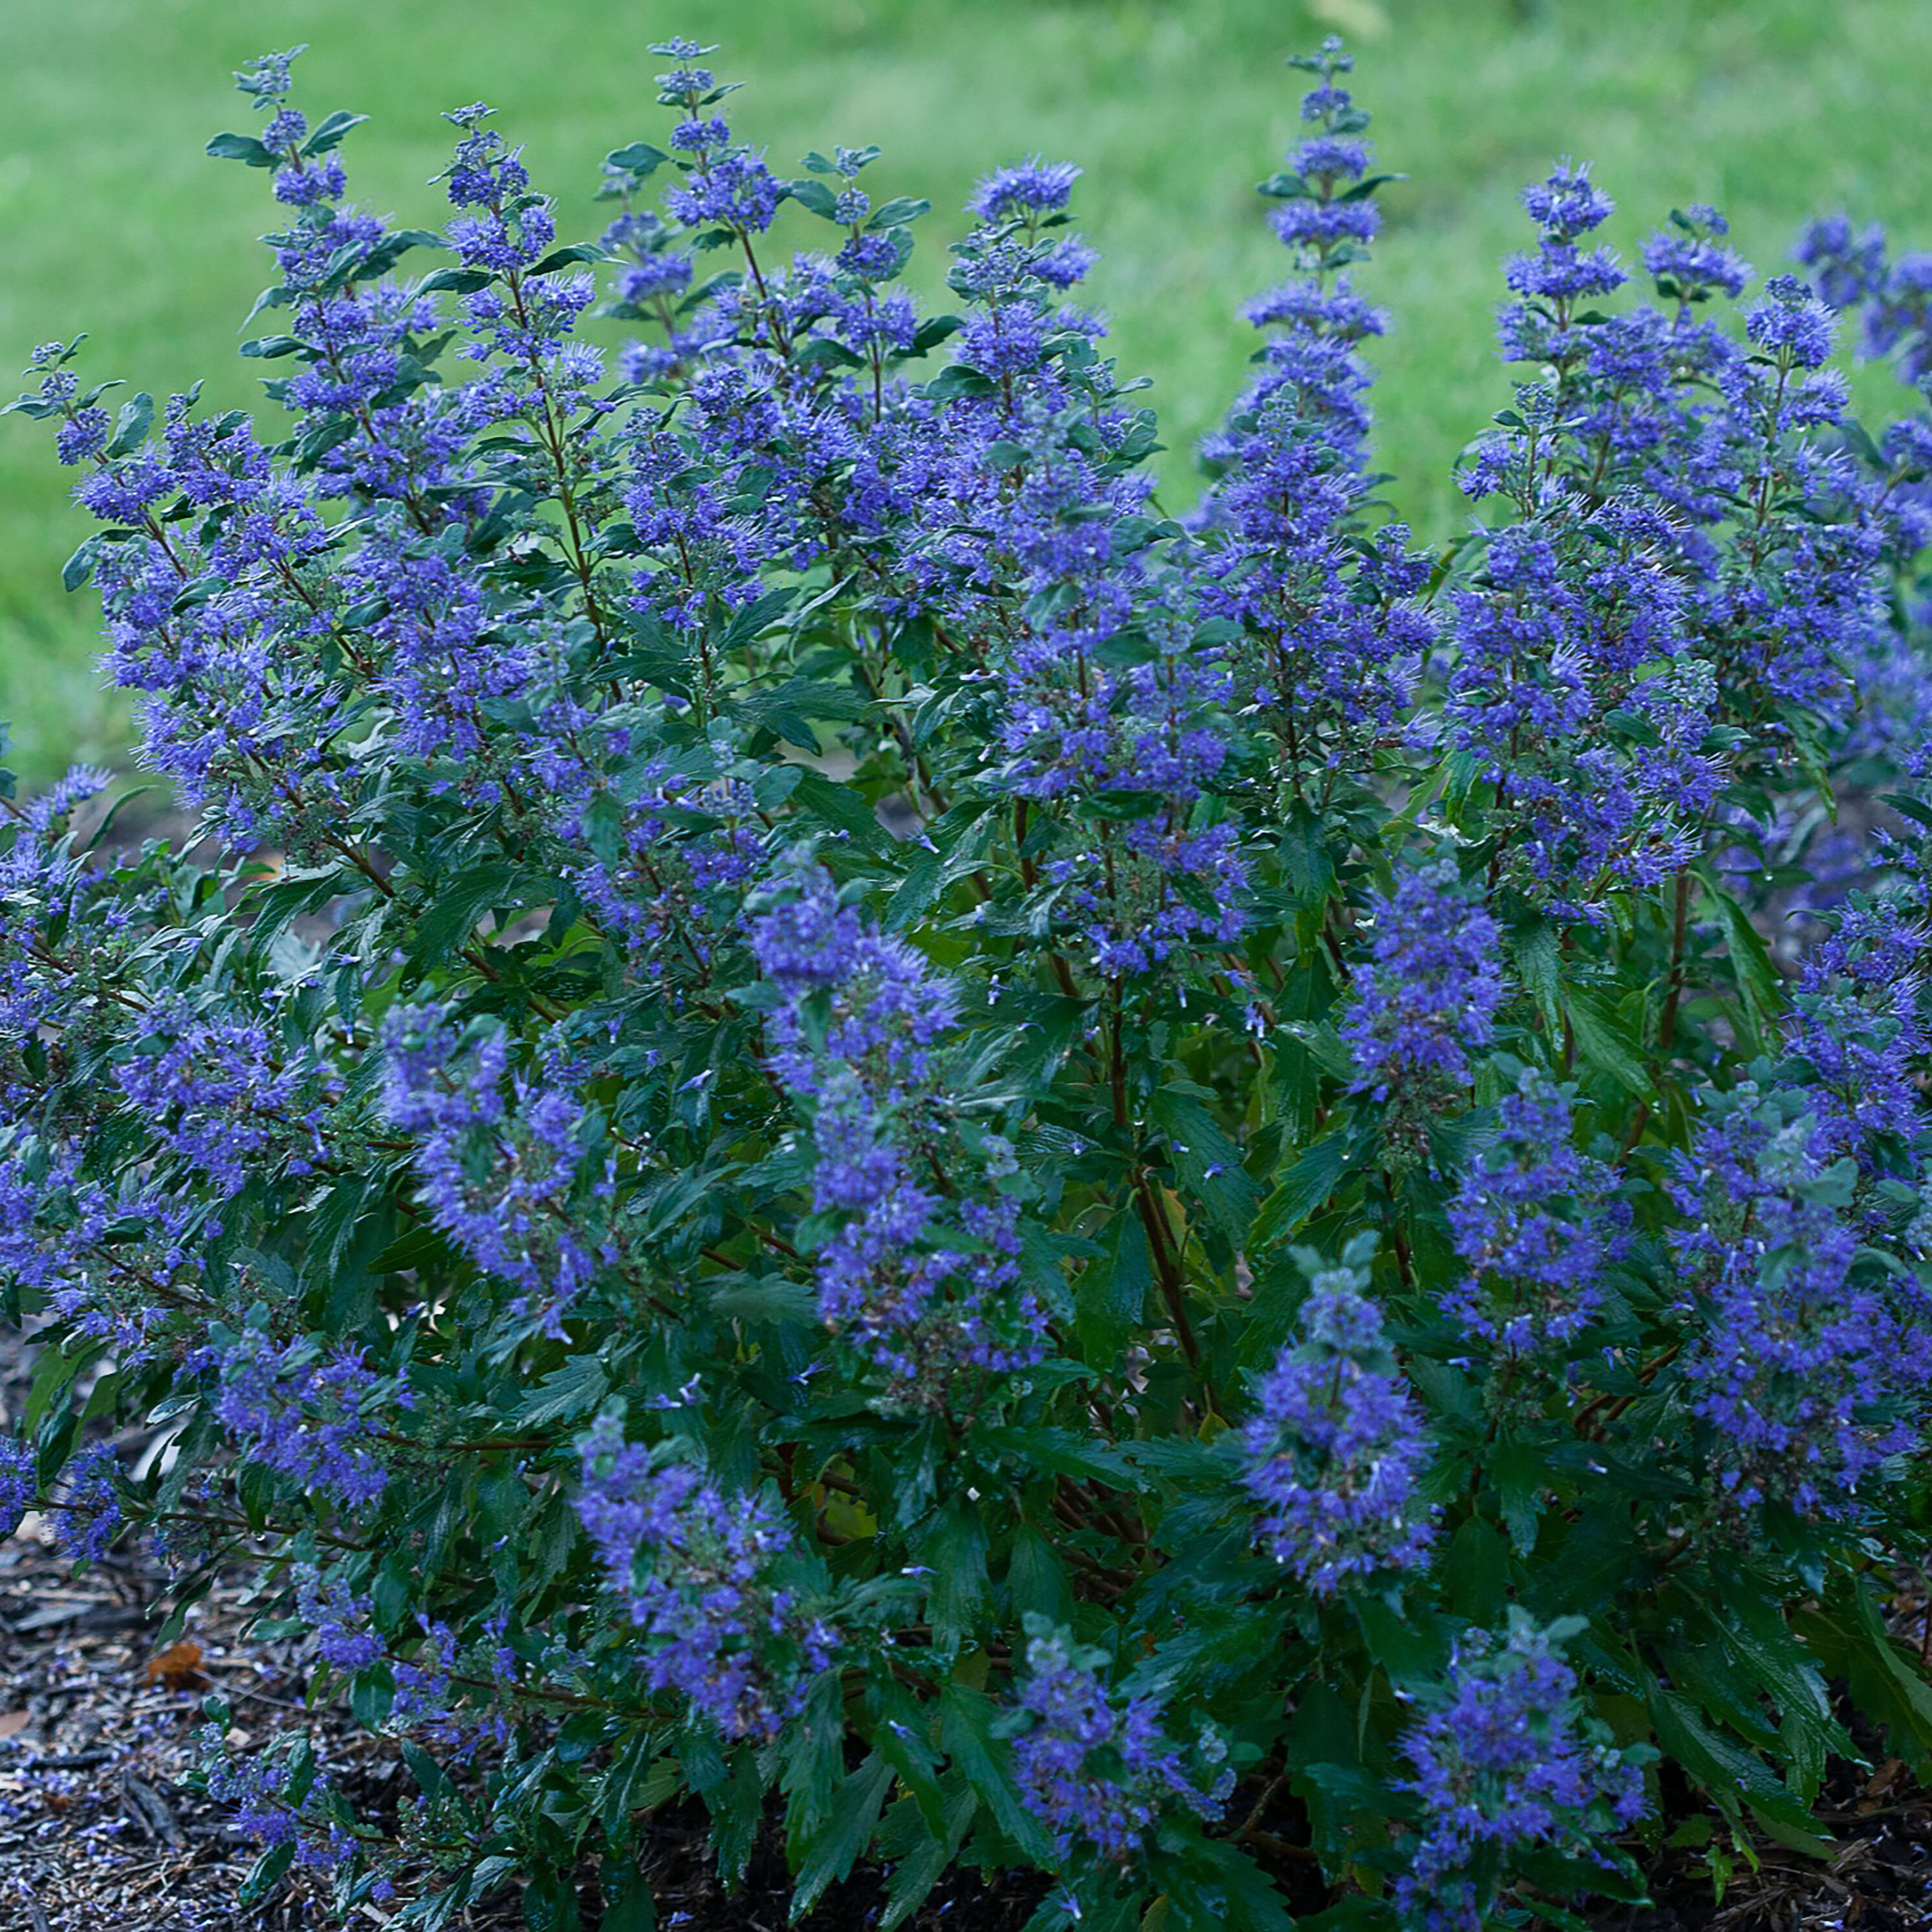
pixel 1173 1287
pixel 1666 1024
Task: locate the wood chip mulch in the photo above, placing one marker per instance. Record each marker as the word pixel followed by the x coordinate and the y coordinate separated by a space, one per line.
pixel 100 1832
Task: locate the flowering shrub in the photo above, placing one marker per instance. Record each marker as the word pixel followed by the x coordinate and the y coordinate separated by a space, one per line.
pixel 850 1129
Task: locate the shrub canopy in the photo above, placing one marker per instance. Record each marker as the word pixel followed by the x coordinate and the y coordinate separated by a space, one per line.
pixel 829 1117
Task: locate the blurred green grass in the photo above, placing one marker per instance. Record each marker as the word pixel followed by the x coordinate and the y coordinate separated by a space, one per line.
pixel 115 224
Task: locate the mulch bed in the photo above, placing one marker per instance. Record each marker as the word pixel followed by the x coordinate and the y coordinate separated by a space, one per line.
pixel 99 1832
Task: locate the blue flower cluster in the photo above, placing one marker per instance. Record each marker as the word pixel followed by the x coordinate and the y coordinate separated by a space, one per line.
pixel 808 1056
pixel 1336 1450
pixel 1862 1027
pixel 691 1567
pixel 19 1483
pixel 314 1418
pixel 1535 1222
pixel 1426 997
pixel 1101 1772
pixel 1331 631
pixel 1502 1763
pixel 1892 299
pixel 921 1269
pixel 1811 1360
pixel 498 1176
pixel 223 1096
pixel 87 1513
pixel 276 1796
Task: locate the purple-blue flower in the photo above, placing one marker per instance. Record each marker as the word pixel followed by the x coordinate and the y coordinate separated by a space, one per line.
pixel 1809 1361
pixel 1690 260
pixel 1503 1762
pixel 1535 1222
pixel 1428 995
pixel 691 1565
pixel 19 1483
pixel 86 1513
pixel 1336 1449
pixel 1100 1772
pixel 311 1416
pixel 922 1275
pixel 500 1173
pixel 1031 187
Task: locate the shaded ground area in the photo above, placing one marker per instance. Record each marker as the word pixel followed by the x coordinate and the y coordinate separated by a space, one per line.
pixel 98 1832
pixel 1880 1880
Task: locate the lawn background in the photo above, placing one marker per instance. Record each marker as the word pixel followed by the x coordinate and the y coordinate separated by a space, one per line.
pixel 114 222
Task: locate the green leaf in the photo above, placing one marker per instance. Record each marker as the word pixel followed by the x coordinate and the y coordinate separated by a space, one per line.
pixel 575 1389
pixel 298 893
pixel 814 1762
pixel 757 617
pixel 1852 1643
pixel 568 257
pixel 1410 1645
pixel 394 246
pixel 265 1874
pixel 1306 1186
pixel 845 810
pixel 900 1732
pixel 746 1298
pixel 1760 990
pixel 445 929
pixel 822 353
pixel 914 1876
pixel 956 381
pixel 1771 1650
pixel 458 281
pixel 550 1903
pixel 1726 1772
pixel 953 1548
pixel 1209 1164
pixel 792 708
pixel 1475 1572
pixel 1537 952
pixel 1606 1873
pixel 1036 1579
pixel 1521 1473
pixel 1240 1893
pixel 1607 1044
pixel 242 148
pixel 420 1248
pixel 934 331
pixel 640 159
pixel 79 567
pixel 1110 1296
pixel 628 1906
pixel 330 133
pixel 131 425
pixel 54 1373
pixel 1588 1568
pixel 815 195
pixel 637 1779
pixel 1064 1453
pixel 966 1720
pixel 836 1850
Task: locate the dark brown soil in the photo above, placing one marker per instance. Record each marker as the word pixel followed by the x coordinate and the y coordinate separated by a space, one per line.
pixel 100 1833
